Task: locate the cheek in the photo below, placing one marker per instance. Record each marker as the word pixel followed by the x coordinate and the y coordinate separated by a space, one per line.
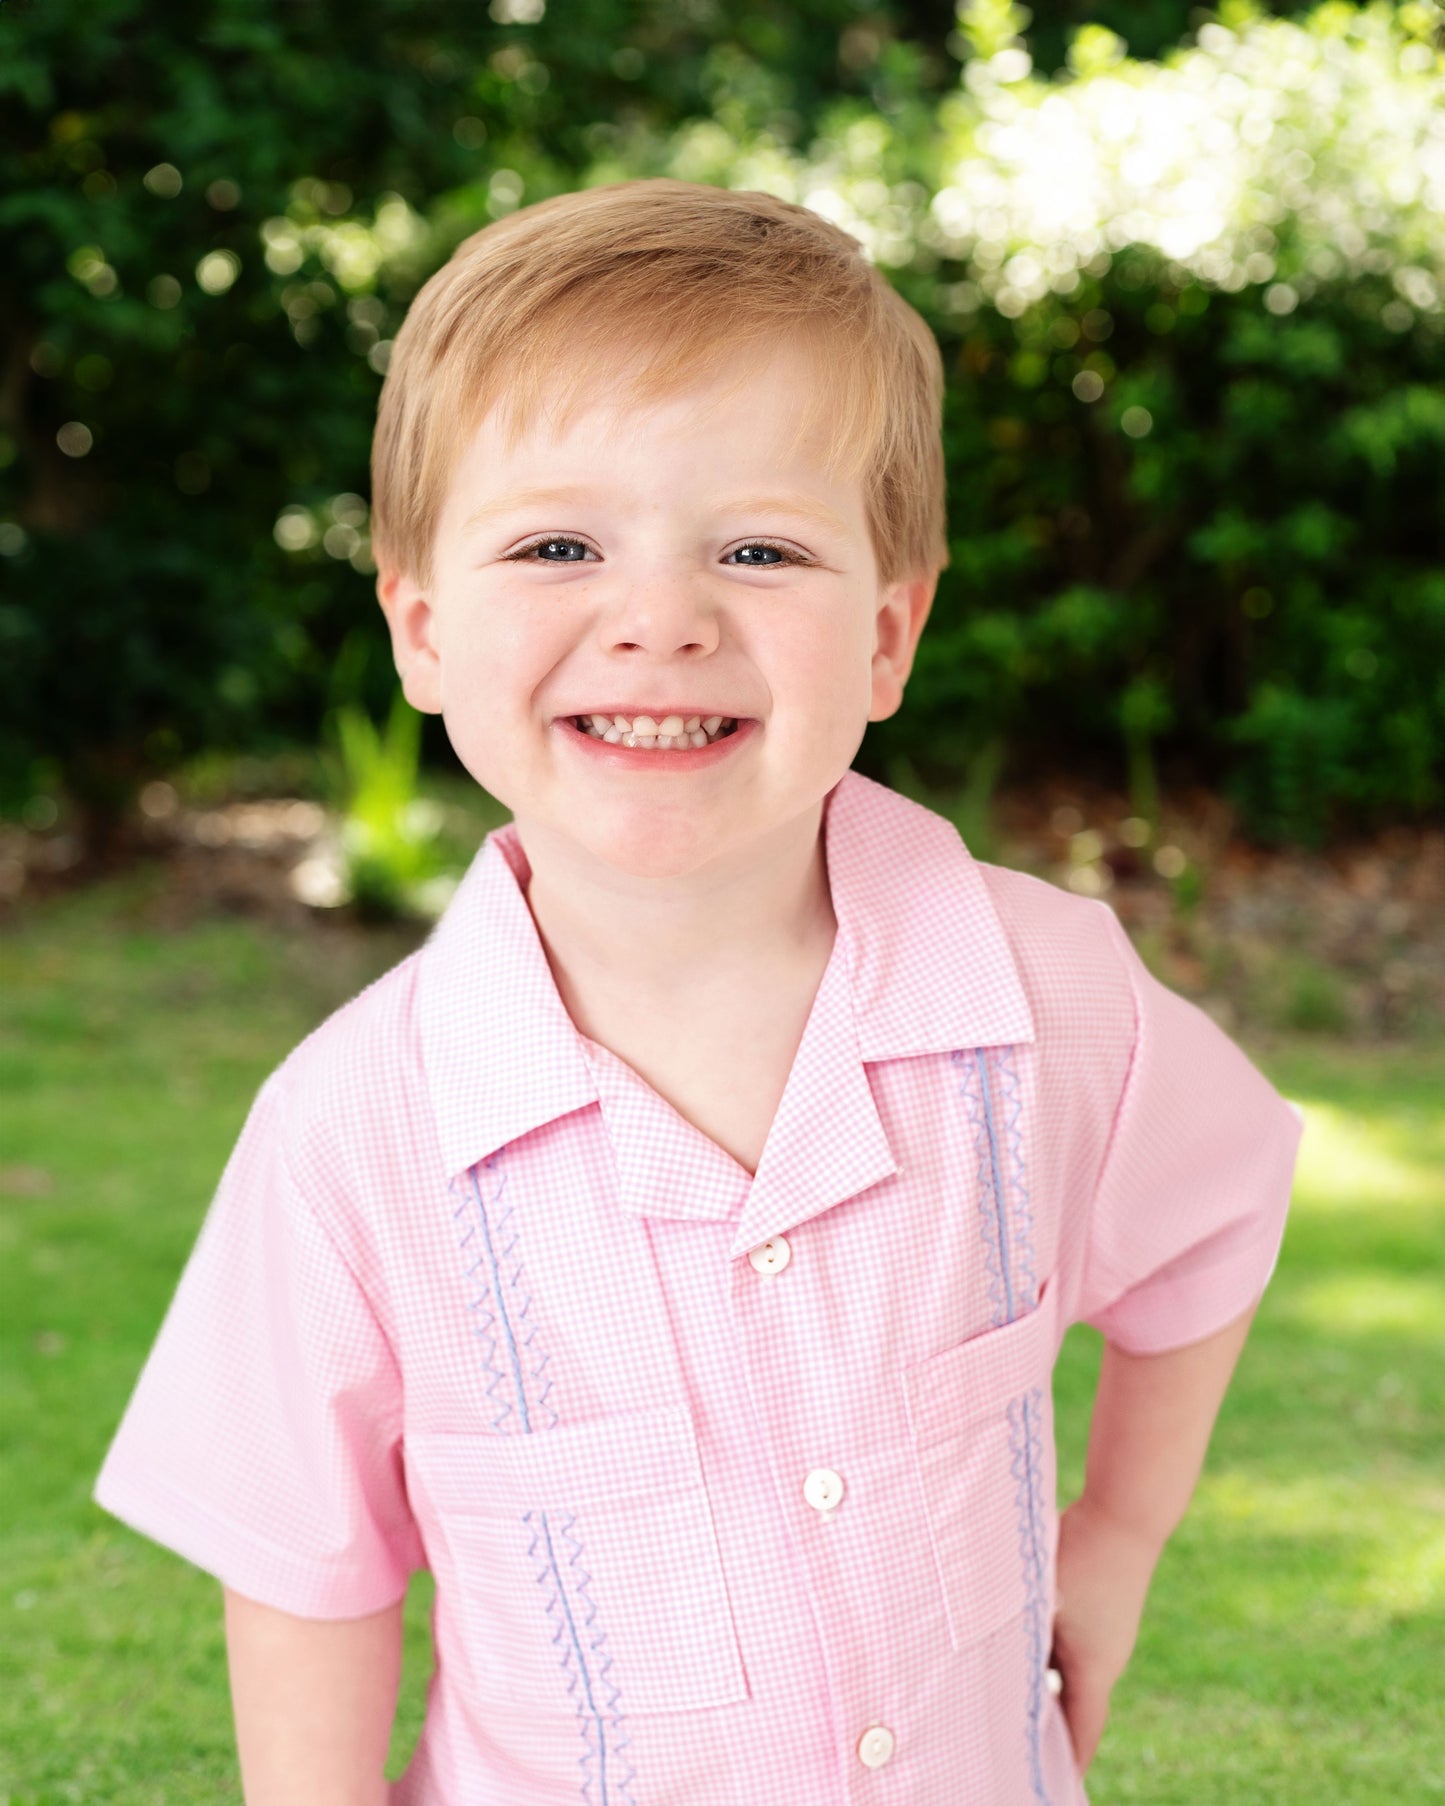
pixel 826 655
pixel 496 654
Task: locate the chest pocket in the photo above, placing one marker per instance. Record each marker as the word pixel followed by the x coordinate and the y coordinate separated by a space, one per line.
pixel 585 1565
pixel 982 1423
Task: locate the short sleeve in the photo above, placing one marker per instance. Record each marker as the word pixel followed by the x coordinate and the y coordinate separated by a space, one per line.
pixel 1189 1210
pixel 263 1439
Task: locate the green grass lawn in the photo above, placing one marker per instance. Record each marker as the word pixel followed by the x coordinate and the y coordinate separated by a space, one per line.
pixel 1295 1638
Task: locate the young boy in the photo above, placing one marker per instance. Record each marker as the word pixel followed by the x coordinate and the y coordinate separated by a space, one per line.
pixel 672 1254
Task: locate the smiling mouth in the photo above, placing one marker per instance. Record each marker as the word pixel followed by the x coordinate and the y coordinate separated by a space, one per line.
pixel 650 731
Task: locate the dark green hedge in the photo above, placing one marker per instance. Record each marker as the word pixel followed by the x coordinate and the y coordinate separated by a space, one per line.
pixel 1250 592
pixel 1255 591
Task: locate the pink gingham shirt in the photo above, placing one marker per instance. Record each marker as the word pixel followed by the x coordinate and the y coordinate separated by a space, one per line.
pixel 738 1491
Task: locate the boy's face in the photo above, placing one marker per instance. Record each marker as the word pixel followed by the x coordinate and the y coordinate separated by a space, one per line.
pixel 672 560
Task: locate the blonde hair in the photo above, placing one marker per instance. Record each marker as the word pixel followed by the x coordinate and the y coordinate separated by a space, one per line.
pixel 668 279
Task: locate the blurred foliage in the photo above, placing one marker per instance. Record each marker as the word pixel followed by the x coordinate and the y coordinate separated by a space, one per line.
pixel 211 223
pixel 389 831
pixel 1191 312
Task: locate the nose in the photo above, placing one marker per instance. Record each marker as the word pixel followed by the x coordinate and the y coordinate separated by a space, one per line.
pixel 663 615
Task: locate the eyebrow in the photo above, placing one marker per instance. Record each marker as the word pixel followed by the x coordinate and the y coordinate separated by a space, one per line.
pixel 521 499
pixel 802 507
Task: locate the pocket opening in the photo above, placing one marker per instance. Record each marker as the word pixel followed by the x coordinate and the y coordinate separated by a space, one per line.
pixel 583 1552
pixel 981 1418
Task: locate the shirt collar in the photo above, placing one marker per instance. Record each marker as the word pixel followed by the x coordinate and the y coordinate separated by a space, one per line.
pixel 501 1054
pixel 932 969
pixel 666 1167
pixel 921 958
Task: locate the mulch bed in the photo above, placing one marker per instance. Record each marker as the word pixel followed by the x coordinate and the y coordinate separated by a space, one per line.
pixel 1346 940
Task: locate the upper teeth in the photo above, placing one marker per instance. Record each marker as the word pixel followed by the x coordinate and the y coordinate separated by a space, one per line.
pixel 644 730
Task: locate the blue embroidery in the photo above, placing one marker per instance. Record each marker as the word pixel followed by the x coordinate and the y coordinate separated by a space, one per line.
pixel 604 1661
pixel 491 1258
pixel 1005 1210
pixel 480 1306
pixel 487 1259
pixel 514 1280
pixel 1025 1413
pixel 491 1306
pixel 1021 1208
pixel 575 1666
pixel 995 1181
pixel 975 1098
pixel 1006 1215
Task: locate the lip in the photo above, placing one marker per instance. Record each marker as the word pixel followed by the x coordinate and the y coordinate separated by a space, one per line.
pixel 638 758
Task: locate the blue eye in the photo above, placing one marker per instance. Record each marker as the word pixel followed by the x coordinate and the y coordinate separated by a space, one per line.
pixel 571 551
pixel 743 554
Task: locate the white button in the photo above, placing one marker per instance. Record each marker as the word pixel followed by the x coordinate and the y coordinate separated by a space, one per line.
pixel 771 1256
pixel 875 1746
pixel 823 1489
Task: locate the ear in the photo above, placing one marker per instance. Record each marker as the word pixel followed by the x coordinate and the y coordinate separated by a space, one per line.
pixel 413 625
pixel 903 609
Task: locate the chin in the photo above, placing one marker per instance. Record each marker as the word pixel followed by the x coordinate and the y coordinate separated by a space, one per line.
pixel 650 849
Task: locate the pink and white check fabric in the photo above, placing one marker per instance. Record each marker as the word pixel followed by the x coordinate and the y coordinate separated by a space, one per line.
pixel 738 1491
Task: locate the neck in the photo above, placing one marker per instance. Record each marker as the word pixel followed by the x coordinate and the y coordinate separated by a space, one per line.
pixel 657 942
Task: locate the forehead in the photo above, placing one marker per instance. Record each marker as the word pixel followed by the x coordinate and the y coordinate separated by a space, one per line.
pixel 758 413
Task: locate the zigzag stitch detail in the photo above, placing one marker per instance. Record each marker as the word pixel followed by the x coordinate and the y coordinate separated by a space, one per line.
pixel 1022 1213
pixel 987 1202
pixel 483 1326
pixel 596 1745
pixel 588 1724
pixel 524 1309
pixel 1026 1467
pixel 603 1670
pixel 535 1373
pixel 583 1583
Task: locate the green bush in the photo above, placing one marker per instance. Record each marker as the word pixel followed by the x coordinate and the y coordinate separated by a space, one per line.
pixel 1191 312
pixel 211 222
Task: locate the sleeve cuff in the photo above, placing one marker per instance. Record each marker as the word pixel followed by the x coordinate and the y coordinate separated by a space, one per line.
pixel 1172 1309
pixel 248 1564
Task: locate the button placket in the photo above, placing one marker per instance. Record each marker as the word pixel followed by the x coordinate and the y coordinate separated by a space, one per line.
pixel 778 1330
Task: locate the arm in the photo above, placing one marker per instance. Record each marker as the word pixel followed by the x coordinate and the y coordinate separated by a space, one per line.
pixel 314 1701
pixel 1152 1419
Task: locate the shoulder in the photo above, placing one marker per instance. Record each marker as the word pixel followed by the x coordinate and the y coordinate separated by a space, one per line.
pixel 369 1041
pixel 1073 958
pixel 341 1091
